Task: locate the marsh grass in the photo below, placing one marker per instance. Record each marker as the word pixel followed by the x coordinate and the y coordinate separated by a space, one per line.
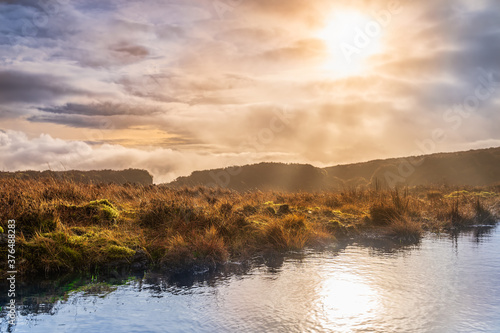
pixel 405 229
pixel 68 227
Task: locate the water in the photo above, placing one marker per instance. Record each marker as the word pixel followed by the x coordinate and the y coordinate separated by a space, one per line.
pixel 444 284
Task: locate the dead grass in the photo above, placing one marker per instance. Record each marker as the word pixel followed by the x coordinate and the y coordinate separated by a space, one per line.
pixel 63 226
pixel 406 229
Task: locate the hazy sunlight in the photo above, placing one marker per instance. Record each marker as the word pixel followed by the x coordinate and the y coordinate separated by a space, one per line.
pixel 351 37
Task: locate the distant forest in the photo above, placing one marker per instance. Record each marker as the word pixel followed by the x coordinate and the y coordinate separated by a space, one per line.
pixel 470 168
pixel 132 176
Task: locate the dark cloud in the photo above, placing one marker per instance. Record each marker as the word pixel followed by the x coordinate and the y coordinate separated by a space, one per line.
pixel 107 55
pixel 72 120
pixel 26 87
pixel 100 109
pixel 129 51
pixel 106 115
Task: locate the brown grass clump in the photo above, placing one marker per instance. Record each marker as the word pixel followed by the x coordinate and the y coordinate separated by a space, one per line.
pixel 206 249
pixel 405 229
pixel 288 233
pixel 294 232
pixel 463 212
pixel 383 214
pixel 384 211
pixel 210 247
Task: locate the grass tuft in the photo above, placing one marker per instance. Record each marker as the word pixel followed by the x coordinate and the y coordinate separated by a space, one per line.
pixel 405 229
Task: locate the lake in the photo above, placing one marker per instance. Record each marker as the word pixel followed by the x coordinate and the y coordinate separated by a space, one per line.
pixel 443 284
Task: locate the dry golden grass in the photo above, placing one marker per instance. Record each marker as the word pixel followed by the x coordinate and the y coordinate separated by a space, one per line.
pixel 63 226
pixel 406 229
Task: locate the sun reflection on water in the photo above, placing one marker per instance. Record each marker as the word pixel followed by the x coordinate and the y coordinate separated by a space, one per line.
pixel 347 301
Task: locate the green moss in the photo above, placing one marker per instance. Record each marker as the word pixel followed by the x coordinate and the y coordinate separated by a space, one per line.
pixel 79 230
pixel 455 194
pixel 119 252
pixel 59 251
pixel 71 254
pixel 105 209
pixel 335 225
pixel 94 212
pixel 485 194
pixel 102 202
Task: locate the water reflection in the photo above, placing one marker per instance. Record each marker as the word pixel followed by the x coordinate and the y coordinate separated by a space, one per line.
pixel 347 300
pixel 482 233
pixel 441 284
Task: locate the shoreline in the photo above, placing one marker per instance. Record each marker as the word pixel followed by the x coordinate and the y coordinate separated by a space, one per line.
pixel 59 287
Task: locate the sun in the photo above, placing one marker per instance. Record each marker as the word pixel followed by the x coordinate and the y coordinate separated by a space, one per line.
pixel 350 38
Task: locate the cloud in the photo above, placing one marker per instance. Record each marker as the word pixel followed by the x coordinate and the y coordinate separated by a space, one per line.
pixel 99 109
pixel 210 83
pixel 19 152
pixel 26 87
pixel 71 120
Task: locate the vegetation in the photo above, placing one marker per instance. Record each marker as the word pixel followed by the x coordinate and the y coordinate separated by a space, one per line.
pixel 63 226
pixel 95 176
pixel 470 168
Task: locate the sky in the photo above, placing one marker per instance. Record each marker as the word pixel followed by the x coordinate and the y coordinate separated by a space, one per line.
pixel 175 86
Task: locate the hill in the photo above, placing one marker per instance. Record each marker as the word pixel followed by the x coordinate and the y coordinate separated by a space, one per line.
pixel 469 168
pixel 133 176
